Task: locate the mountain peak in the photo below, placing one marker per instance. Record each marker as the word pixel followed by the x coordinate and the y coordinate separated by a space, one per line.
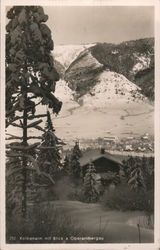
pixel 66 54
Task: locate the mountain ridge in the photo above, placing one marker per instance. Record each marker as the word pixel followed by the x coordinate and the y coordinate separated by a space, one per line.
pixel 133 59
pixel 102 95
pixel 101 99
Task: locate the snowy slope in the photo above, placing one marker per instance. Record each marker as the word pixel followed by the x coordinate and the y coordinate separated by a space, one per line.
pixel 66 54
pixel 112 88
pixel 114 105
pixel 102 111
pixel 66 95
pixel 142 62
pixel 63 92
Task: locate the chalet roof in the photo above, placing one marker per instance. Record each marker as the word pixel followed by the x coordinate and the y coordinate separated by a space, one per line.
pixel 93 155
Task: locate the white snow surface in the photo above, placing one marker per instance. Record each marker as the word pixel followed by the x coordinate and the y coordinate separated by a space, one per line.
pixel 63 92
pixel 66 95
pixel 143 62
pixel 112 88
pixel 66 54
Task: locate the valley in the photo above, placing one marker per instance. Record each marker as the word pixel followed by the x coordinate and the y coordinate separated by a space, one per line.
pixel 100 100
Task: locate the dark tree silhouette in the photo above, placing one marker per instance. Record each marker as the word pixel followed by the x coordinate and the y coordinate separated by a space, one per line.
pixel 89 185
pixel 139 173
pixel 30 79
pixel 66 165
pixel 49 159
pixel 75 168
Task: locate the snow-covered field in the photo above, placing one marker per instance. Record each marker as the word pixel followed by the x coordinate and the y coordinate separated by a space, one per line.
pixel 86 123
pixel 116 226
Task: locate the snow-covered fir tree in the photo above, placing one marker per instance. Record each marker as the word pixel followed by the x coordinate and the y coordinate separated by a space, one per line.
pixel 139 173
pixel 14 183
pixel 49 159
pixel 89 185
pixel 75 168
pixel 30 80
pixel 66 165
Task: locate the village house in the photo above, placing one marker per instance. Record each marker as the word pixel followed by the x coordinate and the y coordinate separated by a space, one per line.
pixel 107 166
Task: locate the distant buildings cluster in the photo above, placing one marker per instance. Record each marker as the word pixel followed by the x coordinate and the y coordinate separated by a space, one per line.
pixel 141 144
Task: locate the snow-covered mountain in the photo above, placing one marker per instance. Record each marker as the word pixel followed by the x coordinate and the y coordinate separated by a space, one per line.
pixel 112 88
pixel 114 106
pixel 104 89
pixel 66 54
pixel 101 90
pixel 133 59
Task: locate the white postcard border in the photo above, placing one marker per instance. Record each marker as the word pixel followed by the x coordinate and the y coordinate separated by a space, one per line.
pixel 156 244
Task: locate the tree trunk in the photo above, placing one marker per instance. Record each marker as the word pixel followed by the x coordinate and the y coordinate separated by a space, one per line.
pixel 24 172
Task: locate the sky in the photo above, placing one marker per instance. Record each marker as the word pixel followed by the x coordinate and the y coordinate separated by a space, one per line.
pixel 90 24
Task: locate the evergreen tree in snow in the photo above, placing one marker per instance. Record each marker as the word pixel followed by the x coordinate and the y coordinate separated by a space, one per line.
pixel 15 179
pixel 139 173
pixel 75 168
pixel 14 183
pixel 49 159
pixel 30 80
pixel 136 178
pixel 148 172
pixel 89 185
pixel 66 165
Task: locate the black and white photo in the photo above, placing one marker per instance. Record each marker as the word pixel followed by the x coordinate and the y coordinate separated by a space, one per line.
pixel 80 111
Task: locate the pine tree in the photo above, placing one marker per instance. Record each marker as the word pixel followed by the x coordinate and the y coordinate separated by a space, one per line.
pixel 49 159
pixel 75 168
pixel 136 178
pixel 148 172
pixel 66 165
pixel 139 173
pixel 49 125
pixel 30 74
pixel 14 182
pixel 89 185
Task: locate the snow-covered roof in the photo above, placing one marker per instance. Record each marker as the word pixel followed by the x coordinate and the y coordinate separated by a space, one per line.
pixel 95 154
